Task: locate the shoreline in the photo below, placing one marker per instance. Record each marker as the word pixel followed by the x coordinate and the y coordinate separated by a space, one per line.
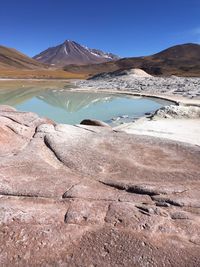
pixel 178 100
pixel 39 79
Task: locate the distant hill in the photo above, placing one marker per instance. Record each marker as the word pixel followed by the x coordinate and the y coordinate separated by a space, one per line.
pixel 14 64
pixel 182 52
pixel 12 59
pixel 71 52
pixel 181 60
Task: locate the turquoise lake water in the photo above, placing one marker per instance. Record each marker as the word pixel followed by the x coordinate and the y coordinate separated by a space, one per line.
pixel 65 106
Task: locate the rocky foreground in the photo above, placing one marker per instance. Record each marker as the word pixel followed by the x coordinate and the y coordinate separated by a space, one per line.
pixel 90 196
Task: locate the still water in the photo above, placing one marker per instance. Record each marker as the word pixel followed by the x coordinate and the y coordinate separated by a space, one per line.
pixel 65 106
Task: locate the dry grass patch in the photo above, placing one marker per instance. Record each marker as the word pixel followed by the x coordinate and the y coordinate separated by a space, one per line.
pixel 40 74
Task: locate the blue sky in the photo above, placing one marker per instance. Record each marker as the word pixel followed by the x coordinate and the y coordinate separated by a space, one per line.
pixel 126 28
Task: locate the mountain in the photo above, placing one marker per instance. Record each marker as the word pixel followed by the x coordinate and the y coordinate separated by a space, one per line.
pixel 11 58
pixel 180 60
pixel 186 52
pixel 71 52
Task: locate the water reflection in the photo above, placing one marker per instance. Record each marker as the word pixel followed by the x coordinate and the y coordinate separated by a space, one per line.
pixel 65 106
pixel 73 101
pixel 14 97
pixel 67 100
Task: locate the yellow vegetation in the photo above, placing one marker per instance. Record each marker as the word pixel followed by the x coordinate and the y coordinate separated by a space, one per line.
pixel 40 74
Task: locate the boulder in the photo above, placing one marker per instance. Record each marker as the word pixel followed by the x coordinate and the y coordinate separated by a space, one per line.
pixel 94 123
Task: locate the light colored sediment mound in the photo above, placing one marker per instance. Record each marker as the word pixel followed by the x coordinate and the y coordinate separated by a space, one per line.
pixel 121 74
pixel 178 112
pixel 87 196
pixel 137 73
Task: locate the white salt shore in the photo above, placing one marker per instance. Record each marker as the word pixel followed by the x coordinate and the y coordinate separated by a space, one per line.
pixel 179 123
pixel 183 130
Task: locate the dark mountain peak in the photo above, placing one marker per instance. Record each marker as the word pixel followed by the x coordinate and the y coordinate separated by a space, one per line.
pixel 70 42
pixel 71 52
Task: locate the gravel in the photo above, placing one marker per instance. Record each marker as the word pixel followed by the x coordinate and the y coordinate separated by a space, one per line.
pixel 188 87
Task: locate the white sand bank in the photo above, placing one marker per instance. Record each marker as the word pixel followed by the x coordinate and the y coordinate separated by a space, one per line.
pixel 183 130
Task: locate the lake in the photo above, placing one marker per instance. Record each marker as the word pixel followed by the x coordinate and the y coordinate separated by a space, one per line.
pixel 71 107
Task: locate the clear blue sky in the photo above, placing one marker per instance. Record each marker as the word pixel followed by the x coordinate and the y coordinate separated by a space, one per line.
pixel 127 27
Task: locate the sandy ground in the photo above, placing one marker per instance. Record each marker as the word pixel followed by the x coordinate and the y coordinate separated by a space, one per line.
pixel 30 83
pixel 183 130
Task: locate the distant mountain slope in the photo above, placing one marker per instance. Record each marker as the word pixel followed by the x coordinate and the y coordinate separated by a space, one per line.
pixel 183 60
pixel 182 52
pixel 71 52
pixel 11 58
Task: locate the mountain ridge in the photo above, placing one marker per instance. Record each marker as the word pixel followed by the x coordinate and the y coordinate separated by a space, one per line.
pixel 183 59
pixel 71 52
pixel 180 60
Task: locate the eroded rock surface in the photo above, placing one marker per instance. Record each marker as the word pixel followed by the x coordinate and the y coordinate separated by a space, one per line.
pixel 89 196
pixel 178 112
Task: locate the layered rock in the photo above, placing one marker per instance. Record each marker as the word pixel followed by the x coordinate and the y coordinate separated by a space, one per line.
pixel 88 196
